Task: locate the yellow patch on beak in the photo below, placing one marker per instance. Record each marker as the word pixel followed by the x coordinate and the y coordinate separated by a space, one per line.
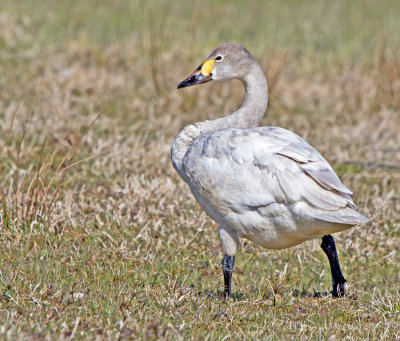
pixel 207 67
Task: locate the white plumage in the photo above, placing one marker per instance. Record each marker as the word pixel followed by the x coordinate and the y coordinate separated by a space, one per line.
pixel 269 185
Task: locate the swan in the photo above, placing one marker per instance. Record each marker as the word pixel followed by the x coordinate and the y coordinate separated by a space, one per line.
pixel 265 184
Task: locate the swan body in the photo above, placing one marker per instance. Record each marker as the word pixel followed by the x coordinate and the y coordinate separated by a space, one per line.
pixel 266 184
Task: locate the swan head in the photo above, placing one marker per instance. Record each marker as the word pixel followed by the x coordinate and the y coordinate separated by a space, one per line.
pixel 227 61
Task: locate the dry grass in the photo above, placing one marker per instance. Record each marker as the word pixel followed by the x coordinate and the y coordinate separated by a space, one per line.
pixel 101 239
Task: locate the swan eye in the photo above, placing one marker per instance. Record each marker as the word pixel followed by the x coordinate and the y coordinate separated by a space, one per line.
pixel 219 58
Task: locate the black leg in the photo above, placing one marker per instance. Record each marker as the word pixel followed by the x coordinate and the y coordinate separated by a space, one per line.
pixel 329 247
pixel 227 268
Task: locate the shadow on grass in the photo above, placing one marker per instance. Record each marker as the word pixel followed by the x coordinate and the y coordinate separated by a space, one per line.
pixel 219 295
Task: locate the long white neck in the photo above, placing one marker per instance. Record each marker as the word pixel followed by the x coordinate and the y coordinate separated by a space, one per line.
pixel 249 115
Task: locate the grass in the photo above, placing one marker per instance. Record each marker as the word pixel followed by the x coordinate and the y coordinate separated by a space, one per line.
pixel 99 236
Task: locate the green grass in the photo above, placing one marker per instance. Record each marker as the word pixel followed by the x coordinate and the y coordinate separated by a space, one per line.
pixel 115 246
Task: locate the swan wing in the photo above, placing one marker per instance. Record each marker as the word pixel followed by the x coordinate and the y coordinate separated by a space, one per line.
pixel 241 170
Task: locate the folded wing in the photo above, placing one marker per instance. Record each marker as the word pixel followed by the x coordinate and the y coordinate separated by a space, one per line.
pixel 247 169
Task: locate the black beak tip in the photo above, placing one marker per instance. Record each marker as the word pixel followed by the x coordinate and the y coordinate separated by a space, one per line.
pixel 186 82
pixel 193 80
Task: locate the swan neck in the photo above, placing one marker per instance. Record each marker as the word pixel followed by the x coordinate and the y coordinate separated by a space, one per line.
pixel 256 97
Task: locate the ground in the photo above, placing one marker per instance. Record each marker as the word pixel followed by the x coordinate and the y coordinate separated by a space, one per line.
pixel 101 238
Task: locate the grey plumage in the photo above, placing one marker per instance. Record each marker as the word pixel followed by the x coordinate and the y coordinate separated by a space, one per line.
pixel 263 183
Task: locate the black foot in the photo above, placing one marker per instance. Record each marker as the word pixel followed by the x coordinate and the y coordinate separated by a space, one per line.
pixel 338 280
pixel 227 268
pixel 342 290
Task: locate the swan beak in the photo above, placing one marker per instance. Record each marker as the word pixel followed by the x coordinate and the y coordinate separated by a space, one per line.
pixel 201 75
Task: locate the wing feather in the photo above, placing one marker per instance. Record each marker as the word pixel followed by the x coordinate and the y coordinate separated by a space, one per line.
pixel 255 167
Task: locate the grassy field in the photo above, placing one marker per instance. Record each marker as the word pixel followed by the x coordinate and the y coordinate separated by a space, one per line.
pixel 99 236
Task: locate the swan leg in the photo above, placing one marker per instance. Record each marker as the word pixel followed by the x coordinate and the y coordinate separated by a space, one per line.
pixel 338 280
pixel 227 267
pixel 230 242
